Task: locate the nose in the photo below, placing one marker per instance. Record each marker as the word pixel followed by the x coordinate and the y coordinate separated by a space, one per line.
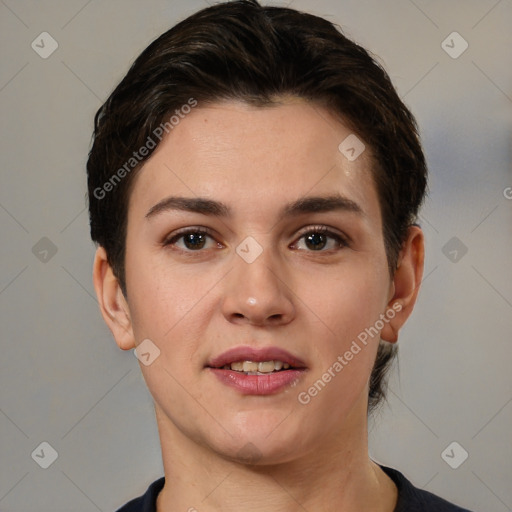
pixel 258 293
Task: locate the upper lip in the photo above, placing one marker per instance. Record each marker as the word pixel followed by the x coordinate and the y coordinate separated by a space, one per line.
pixel 257 355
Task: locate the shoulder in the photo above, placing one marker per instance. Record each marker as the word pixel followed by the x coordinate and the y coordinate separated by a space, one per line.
pixel 146 502
pixel 412 499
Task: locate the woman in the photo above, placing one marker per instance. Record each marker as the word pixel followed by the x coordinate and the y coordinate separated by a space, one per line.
pixel 254 184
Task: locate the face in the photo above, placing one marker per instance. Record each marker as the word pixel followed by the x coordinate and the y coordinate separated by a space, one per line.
pixel 251 237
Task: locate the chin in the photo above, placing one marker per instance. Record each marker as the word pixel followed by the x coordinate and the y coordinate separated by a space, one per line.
pixel 251 454
pixel 261 442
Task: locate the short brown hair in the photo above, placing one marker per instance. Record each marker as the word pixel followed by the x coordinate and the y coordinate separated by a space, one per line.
pixel 243 51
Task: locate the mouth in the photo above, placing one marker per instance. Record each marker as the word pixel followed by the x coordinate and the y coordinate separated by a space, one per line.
pixel 254 371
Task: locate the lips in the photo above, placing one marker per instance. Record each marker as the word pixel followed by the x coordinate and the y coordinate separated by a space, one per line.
pixel 256 355
pixel 248 370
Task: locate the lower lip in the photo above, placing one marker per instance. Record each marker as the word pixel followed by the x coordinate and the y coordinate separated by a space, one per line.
pixel 258 384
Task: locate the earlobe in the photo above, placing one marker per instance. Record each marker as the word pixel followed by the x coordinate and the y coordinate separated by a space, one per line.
pixel 113 305
pixel 406 283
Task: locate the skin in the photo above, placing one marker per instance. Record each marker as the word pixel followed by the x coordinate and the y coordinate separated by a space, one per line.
pixel 196 304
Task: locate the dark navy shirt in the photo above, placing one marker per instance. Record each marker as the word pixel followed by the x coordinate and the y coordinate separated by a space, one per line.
pixel 410 498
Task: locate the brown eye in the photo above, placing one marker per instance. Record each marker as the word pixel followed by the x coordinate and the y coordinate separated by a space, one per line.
pixel 191 240
pixel 194 241
pixel 315 241
pixel 320 239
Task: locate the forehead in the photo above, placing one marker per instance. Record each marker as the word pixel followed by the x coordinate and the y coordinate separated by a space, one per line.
pixel 257 159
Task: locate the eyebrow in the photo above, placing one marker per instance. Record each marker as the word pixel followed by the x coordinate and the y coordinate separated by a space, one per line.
pixel 315 204
pixel 320 204
pixel 190 204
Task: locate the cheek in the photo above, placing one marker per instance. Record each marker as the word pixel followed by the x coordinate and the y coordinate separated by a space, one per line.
pixel 347 302
pixel 170 308
pixel 348 306
pixel 164 304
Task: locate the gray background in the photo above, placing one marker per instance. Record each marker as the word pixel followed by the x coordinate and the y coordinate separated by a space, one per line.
pixel 64 381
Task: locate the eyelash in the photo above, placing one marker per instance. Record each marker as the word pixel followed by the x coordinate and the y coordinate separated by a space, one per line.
pixel 342 241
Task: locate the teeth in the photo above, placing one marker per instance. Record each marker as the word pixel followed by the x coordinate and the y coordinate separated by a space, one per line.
pixel 266 366
pixel 255 368
pixel 249 366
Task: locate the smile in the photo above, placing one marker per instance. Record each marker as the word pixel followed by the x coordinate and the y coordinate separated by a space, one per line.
pixel 257 371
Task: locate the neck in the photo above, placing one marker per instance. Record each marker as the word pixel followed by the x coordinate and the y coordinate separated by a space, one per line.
pixel 338 475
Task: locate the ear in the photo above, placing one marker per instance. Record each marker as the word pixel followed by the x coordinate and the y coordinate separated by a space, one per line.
pixel 113 305
pixel 405 284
